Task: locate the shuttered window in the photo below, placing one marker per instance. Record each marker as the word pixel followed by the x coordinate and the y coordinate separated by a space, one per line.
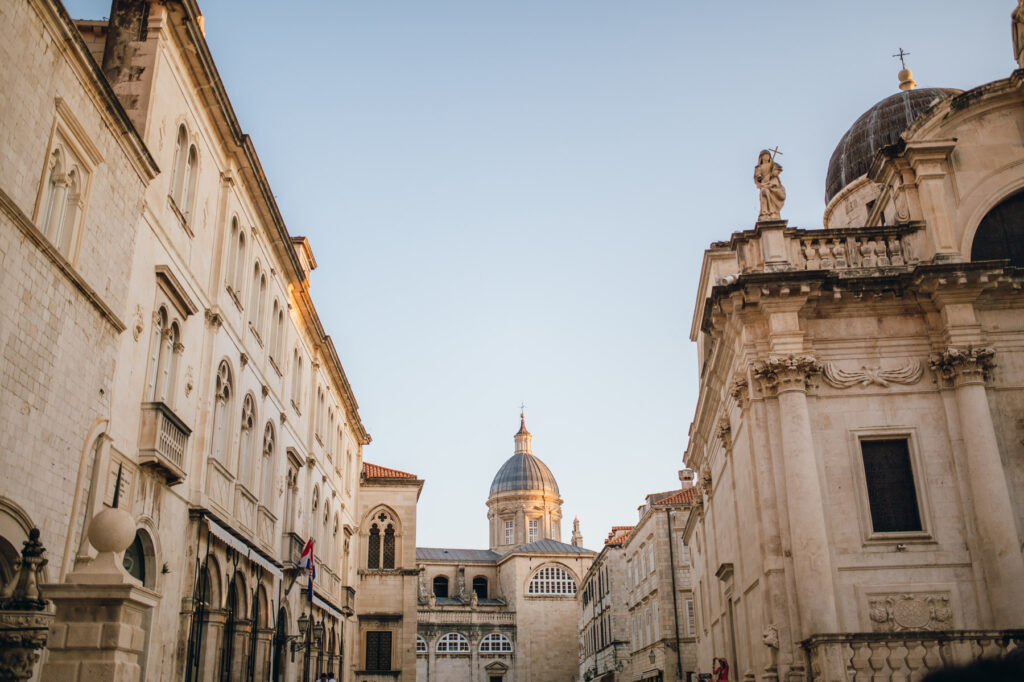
pixel 378 650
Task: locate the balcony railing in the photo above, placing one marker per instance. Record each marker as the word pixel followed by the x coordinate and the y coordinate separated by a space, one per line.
pixel 907 655
pixel 163 438
pixel 293 545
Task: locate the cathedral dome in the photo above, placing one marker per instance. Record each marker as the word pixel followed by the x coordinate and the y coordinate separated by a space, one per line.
pixel 877 127
pixel 523 471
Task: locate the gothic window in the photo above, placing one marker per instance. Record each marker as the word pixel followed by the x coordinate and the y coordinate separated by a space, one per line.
pixel 453 643
pixel 328 548
pixel 552 580
pixel 441 587
pixel 254 299
pixel 378 650
pixel 191 178
pixel 480 587
pixel 509 537
pixel 239 274
pixel 275 329
pixel 267 467
pixel 297 381
pixel 178 167
pixel 165 348
pixel 532 525
pixel 373 548
pixel 245 440
pixel 63 199
pixel 389 547
pixel 232 253
pixel 221 406
pixel 262 308
pixel 892 496
pixel 421 645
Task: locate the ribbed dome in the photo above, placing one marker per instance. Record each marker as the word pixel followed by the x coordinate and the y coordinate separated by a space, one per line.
pixel 877 127
pixel 523 471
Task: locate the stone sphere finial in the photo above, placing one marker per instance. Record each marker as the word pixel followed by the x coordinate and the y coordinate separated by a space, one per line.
pixel 112 530
pixel 907 81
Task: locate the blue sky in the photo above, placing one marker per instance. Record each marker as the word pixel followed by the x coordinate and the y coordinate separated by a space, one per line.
pixel 510 200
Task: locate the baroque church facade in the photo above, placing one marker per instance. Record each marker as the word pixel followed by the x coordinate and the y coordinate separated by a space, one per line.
pixel 858 436
pixel 506 613
pixel 174 418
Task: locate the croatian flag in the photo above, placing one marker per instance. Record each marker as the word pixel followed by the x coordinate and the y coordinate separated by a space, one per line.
pixel 306 559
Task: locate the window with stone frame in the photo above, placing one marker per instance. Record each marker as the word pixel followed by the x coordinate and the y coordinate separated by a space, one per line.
pixel 440 586
pixel 892 494
pixel 378 650
pixel 246 454
pixel 691 619
pixel 184 174
pixel 373 547
pixel 421 645
pixel 388 557
pixel 509 530
pixel 532 526
pixel 165 351
pixel 267 464
pixel 480 587
pixel 495 643
pixel 453 643
pixel 221 410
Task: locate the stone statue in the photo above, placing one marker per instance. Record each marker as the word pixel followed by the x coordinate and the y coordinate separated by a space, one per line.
pixel 766 177
pixel 1017 24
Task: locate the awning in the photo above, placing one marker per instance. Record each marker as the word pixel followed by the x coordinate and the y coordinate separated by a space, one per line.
pixel 242 547
pixel 326 606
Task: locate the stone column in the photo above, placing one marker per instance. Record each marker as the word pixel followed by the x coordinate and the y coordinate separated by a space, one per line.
pixel 809 542
pixel 97 634
pixel 999 543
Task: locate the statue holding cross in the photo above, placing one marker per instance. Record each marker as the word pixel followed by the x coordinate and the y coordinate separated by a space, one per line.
pixel 1017 24
pixel 769 185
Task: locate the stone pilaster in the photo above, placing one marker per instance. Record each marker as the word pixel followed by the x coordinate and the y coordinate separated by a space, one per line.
pixel 1002 564
pixel 787 378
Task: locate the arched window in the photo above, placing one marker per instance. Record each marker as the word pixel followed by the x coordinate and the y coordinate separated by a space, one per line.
pixel 62 200
pixel 312 517
pixel 254 298
pixel 480 587
pixel 453 643
pixel 178 168
pixel 64 226
pixel 421 645
pixel 191 176
pixel 156 345
pixel 552 580
pixel 441 587
pixel 495 643
pixel 328 549
pixel 269 443
pixel 1001 233
pixel 261 313
pixel 280 334
pixel 53 201
pixel 373 548
pixel 222 403
pixel 297 380
pixel 231 247
pixel 239 265
pixel 245 438
pixel 389 547
pixel 275 329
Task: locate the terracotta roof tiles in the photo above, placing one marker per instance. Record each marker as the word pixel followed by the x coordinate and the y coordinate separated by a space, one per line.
pixel 684 496
pixel 377 471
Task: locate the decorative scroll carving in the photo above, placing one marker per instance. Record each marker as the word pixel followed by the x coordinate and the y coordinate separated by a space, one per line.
pixel 792 372
pixel 910 611
pixel 963 366
pixel 908 373
pixel 725 432
pixel 213 318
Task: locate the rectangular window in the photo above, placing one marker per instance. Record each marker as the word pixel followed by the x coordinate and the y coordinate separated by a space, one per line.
pixel 532 526
pixel 691 620
pixel 684 553
pixel 508 532
pixel 378 650
pixel 890 480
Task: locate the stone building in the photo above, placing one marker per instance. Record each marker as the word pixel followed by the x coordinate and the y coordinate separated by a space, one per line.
pixel 658 589
pixel 507 613
pixel 162 355
pixel 604 620
pixel 858 435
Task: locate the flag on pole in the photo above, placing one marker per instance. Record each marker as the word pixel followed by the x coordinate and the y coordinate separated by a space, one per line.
pixel 306 559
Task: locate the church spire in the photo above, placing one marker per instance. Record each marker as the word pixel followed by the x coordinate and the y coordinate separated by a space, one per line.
pixel 524 440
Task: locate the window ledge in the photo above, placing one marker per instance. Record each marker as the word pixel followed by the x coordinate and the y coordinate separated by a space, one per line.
pixel 296 408
pixel 259 339
pixel 916 537
pixel 234 296
pixel 182 218
pixel 273 363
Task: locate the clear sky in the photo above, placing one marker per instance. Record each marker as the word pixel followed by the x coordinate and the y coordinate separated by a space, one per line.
pixel 509 201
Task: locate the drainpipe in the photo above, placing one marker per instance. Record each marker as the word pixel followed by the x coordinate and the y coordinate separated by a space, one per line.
pixel 675 595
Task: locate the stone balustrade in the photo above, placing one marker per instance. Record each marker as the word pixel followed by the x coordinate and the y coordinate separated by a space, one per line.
pixel 163 438
pixel 465 617
pixel 907 655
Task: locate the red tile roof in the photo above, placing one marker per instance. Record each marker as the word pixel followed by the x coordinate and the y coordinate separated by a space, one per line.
pixel 684 496
pixel 377 471
pixel 618 535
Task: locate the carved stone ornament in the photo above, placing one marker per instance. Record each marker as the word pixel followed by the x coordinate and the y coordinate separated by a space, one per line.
pixel 957 366
pixel 24 615
pixel 909 372
pixel 139 323
pixel 725 432
pixel 739 390
pixel 911 611
pixel 189 381
pixel 792 372
pixel 770 636
pixel 213 318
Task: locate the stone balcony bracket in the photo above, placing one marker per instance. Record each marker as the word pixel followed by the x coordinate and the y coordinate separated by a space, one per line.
pixel 163 439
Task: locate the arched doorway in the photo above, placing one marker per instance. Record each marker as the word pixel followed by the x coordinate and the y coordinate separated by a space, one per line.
pixel 1000 234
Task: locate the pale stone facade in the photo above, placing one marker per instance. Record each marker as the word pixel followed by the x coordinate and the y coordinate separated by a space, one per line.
pixel 604 619
pixel 161 349
pixel 508 613
pixel 857 434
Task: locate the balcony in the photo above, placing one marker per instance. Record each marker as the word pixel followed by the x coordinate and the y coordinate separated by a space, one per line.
pixel 905 655
pixel 293 545
pixel 162 441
